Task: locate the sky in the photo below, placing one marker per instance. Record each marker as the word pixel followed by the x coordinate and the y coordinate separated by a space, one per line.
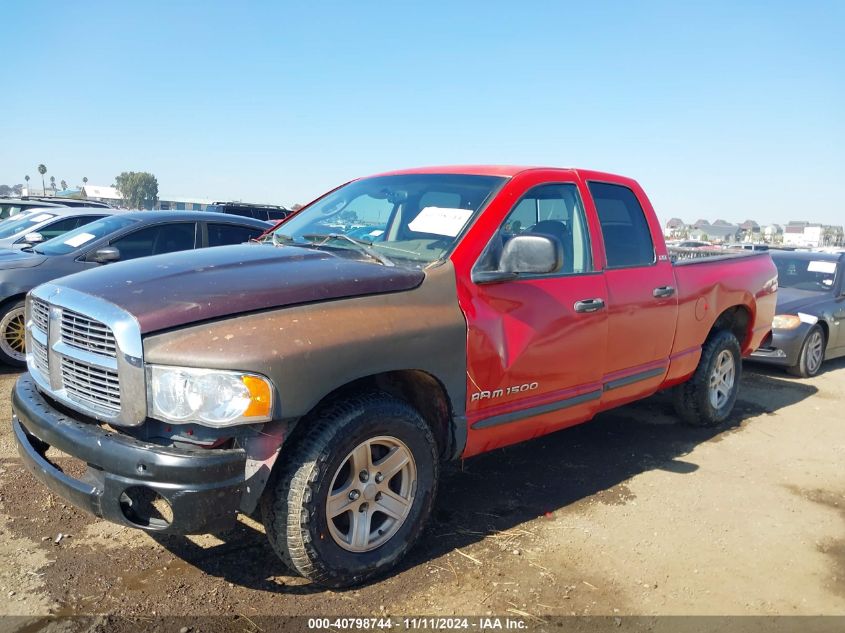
pixel 719 109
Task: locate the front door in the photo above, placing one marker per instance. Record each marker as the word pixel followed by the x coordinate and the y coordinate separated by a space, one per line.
pixel 535 354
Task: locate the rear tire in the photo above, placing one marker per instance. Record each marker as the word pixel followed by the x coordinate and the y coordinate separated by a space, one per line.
pixel 327 510
pixel 12 334
pixel 812 354
pixel 708 398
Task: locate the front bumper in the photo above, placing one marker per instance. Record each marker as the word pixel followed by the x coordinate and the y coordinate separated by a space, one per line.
pixel 203 488
pixel 783 348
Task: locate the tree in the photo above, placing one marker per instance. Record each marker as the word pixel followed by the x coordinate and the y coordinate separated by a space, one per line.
pixel 42 169
pixel 139 189
pixel 84 180
pixel 27 183
pixel 64 185
pixel 53 183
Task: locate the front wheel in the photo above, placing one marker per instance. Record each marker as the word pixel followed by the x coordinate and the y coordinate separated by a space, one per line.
pixel 13 335
pixel 353 493
pixel 708 397
pixel 811 356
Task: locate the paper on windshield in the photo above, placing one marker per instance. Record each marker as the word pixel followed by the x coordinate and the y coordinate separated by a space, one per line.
pixel 440 221
pixel 79 240
pixel 41 217
pixel 821 267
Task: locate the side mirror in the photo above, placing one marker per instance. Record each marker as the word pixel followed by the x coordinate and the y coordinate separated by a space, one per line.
pixel 526 254
pixel 33 238
pixel 104 255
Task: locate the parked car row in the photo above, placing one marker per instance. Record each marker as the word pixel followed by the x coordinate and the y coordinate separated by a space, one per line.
pixel 47 243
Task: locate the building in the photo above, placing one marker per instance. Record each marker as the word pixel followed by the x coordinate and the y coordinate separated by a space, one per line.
pixel 772 233
pixel 675 229
pixel 109 195
pixel 803 234
pixel 750 231
pixel 720 233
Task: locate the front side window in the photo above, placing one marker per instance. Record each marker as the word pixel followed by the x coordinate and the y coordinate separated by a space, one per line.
pixel 59 227
pixel 410 219
pixel 555 211
pixel 627 238
pixel 83 236
pixel 23 224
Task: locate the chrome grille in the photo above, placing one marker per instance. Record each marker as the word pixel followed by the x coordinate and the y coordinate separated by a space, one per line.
pixel 39 357
pixel 91 364
pixel 40 314
pixel 92 386
pixel 88 334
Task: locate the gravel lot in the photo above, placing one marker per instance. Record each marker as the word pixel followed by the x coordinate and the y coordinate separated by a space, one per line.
pixel 630 514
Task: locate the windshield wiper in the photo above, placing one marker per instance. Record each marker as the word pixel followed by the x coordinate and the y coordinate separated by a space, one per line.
pixel 359 244
pixel 278 239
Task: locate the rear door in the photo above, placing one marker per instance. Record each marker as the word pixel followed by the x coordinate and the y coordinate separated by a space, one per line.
pixel 535 359
pixel 642 304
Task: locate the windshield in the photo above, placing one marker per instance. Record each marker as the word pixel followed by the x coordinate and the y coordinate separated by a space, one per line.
pixel 23 224
pixel 411 219
pixel 806 274
pixel 73 240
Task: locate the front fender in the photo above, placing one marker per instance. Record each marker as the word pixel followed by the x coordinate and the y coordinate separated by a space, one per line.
pixel 310 350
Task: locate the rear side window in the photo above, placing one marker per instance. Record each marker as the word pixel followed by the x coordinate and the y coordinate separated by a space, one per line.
pixel 156 240
pixel 225 234
pixel 627 239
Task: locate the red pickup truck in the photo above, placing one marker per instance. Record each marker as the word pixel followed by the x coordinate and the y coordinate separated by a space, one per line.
pixel 321 374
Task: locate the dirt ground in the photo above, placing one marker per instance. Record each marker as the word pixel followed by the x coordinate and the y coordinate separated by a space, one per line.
pixel 631 514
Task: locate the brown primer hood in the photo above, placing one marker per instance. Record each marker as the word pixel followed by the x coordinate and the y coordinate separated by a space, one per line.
pixel 176 289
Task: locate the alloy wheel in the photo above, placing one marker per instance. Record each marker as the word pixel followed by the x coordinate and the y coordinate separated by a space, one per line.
pixel 371 494
pixel 722 379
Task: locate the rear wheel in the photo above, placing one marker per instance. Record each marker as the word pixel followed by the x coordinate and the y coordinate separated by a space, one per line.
pixel 13 335
pixel 353 493
pixel 812 354
pixel 709 396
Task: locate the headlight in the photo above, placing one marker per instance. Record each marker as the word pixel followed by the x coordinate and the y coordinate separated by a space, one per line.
pixel 208 396
pixel 786 322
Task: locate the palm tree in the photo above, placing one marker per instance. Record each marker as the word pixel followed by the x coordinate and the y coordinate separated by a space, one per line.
pixel 64 185
pixel 27 184
pixel 53 183
pixel 42 169
pixel 84 180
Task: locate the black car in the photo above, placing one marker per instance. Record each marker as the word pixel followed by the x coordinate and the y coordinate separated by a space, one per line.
pixel 266 212
pixel 809 327
pixel 69 202
pixel 10 207
pixel 115 238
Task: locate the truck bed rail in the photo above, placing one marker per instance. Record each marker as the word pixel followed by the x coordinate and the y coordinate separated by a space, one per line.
pixel 682 256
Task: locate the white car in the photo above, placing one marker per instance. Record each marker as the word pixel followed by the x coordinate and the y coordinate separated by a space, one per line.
pixel 44 223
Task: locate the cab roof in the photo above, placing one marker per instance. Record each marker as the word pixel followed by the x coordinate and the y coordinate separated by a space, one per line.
pixel 507 171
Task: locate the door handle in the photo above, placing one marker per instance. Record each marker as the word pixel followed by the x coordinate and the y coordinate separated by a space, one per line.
pixel 663 291
pixel 589 305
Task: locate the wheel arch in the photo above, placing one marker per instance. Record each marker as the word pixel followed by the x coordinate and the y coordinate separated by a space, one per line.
pixel 12 300
pixel 423 391
pixel 738 320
